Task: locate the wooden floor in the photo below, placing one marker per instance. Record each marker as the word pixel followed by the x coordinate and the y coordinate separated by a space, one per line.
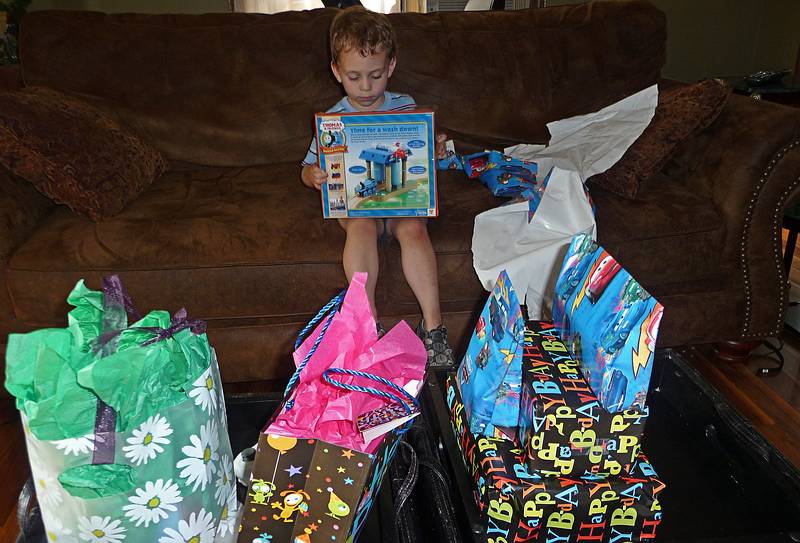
pixel 771 403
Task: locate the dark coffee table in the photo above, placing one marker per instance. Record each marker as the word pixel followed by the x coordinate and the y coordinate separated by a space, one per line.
pixel 724 481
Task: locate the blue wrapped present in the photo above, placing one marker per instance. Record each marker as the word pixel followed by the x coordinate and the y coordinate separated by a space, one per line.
pixel 490 375
pixel 609 322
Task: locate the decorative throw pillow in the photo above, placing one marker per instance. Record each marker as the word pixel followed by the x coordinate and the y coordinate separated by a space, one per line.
pixel 73 152
pixel 681 112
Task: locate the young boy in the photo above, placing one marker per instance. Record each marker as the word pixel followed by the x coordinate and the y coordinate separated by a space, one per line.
pixel 363 52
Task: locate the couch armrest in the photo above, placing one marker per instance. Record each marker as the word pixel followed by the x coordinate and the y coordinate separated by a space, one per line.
pixel 10 77
pixel 22 209
pixel 748 161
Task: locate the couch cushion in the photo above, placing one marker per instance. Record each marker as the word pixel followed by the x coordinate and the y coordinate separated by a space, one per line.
pixel 74 153
pixel 682 112
pixel 211 89
pixel 241 244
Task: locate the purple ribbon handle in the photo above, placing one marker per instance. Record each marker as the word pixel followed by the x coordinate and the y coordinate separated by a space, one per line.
pixel 178 322
pixel 117 305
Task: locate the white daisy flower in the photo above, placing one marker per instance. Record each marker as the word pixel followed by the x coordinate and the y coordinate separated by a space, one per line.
pixel 76 445
pixel 199 529
pixel 147 439
pixel 101 530
pixel 227 518
pixel 56 531
pixel 204 392
pixel 48 489
pixel 198 467
pixel 221 403
pixel 224 478
pixel 152 503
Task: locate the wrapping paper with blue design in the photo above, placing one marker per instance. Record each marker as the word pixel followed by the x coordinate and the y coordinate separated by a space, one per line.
pixel 169 476
pixel 504 176
pixel 609 323
pixel 490 375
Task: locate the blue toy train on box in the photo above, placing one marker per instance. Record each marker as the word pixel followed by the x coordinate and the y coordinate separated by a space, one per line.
pixel 387 167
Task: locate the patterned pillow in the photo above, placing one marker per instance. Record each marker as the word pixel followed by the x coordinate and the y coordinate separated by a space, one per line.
pixel 681 112
pixel 73 152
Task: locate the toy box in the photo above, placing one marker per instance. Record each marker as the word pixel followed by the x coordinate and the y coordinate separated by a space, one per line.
pixel 522 505
pixel 609 323
pixel 379 164
pixel 562 426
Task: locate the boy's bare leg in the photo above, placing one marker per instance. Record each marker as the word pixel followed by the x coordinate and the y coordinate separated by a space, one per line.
pixel 361 252
pixel 419 265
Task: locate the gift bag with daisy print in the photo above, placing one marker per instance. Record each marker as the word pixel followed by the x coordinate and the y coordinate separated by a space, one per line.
pixel 125 424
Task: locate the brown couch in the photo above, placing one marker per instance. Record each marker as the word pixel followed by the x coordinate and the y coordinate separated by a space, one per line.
pixel 230 233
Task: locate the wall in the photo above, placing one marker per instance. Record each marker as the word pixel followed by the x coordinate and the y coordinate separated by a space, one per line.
pixel 707 38
pixel 779 40
pixel 136 6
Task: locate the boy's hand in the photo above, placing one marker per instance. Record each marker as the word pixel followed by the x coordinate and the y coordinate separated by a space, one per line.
pixel 441 149
pixel 314 176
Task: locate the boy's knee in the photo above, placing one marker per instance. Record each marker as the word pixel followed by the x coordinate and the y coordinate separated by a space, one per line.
pixel 361 227
pixel 410 229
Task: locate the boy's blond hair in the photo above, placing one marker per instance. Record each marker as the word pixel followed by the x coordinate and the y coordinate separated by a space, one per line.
pixel 365 31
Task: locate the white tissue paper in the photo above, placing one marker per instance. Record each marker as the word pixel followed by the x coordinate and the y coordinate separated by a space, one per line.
pixel 580 147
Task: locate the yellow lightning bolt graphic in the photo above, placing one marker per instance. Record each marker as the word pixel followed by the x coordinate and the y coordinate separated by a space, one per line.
pixel 582 291
pixel 509 355
pixel 642 353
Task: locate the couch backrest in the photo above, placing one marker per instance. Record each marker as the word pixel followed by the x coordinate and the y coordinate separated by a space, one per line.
pixel 240 89
pixel 504 75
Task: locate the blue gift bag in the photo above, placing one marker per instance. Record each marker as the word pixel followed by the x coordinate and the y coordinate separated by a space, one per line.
pixel 490 375
pixel 609 322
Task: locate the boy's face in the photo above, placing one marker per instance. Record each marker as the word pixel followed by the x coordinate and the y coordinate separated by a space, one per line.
pixel 363 78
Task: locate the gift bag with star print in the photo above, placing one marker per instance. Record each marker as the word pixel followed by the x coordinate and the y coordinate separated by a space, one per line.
pixel 307 490
pixel 125 424
pixel 315 474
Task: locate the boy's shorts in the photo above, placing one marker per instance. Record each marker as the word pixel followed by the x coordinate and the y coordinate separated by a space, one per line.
pixel 385 234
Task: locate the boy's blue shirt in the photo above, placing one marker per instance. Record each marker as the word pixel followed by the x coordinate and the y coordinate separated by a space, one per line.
pixel 392 101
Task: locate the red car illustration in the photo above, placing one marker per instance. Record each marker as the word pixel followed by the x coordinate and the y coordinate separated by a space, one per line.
pixel 478 165
pixel 480 328
pixel 601 277
pixel 652 328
